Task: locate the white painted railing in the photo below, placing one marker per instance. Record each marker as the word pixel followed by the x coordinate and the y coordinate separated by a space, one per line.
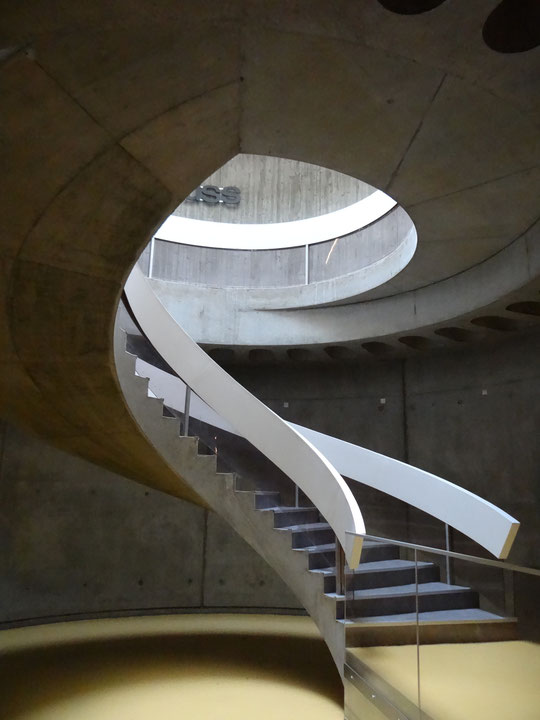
pixel 250 418
pixel 486 524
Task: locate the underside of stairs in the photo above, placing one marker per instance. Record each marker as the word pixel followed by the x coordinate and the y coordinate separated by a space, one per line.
pixel 380 605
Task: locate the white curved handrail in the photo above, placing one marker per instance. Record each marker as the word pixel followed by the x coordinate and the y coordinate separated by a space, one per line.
pixel 272 236
pixel 483 522
pixel 278 441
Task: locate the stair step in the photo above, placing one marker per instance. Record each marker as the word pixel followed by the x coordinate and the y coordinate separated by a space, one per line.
pixel 400 599
pixel 374 552
pixel 310 534
pixel 265 499
pixel 293 516
pixel 439 626
pixel 409 589
pixel 433 616
pixel 384 573
pixel 321 556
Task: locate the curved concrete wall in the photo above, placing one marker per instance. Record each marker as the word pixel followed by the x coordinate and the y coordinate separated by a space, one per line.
pixel 79 541
pixel 275 190
pixel 236 281
pixel 276 269
pixel 487 289
pixel 114 113
pixel 60 514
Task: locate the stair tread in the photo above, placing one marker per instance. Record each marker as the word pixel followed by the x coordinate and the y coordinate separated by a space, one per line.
pixel 285 509
pixel 330 547
pixel 275 493
pixel 388 565
pixel 433 616
pixel 437 588
pixel 309 527
pixel 326 548
pixel 375 566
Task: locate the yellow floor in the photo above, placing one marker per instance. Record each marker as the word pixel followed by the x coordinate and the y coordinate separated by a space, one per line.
pixel 472 681
pixel 208 667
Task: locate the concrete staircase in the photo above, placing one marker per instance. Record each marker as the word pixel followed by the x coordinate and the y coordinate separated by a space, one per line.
pixel 300 546
pixel 380 603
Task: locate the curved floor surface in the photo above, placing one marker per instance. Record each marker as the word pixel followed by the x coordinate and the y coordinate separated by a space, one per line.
pixel 209 667
pixel 471 681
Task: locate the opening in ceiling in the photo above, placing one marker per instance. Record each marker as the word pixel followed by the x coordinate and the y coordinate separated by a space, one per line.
pixel 299 234
pixel 513 26
pixel 410 7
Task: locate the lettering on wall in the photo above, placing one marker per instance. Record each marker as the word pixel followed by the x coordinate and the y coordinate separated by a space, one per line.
pixel 213 195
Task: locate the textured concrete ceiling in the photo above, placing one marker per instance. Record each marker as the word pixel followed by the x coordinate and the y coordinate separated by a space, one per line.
pixel 113 112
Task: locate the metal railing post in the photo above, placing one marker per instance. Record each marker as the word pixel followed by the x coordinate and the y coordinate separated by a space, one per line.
pixel 340 569
pixel 151 259
pixel 447 543
pixel 509 601
pixel 187 402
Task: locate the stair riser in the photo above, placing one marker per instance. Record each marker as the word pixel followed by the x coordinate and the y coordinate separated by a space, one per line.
pixel 457 600
pixel 384 578
pixel 302 539
pixel 264 502
pixel 321 560
pixel 379 552
pixel 392 578
pixel 365 636
pixel 285 519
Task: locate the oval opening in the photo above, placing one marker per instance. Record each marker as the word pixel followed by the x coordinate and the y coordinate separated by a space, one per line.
pixel 280 234
pixel 494 322
pixel 410 7
pixel 513 27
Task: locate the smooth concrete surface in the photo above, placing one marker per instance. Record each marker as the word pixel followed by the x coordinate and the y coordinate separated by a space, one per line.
pixel 275 190
pixel 462 681
pixel 209 289
pixel 219 268
pixel 79 540
pixel 226 666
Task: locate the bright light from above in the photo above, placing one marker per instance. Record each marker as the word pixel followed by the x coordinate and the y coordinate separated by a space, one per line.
pixel 271 236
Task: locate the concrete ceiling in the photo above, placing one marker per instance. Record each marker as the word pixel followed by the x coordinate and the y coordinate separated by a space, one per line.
pixel 113 112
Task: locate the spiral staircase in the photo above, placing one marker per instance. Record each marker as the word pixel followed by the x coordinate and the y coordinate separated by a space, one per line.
pixel 300 545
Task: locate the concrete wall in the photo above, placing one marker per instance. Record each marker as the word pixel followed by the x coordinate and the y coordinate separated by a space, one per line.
pixel 79 540
pixel 228 268
pixel 275 189
pixel 470 415
pixel 283 267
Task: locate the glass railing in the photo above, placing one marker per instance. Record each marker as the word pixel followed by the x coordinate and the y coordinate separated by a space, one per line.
pixel 422 648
